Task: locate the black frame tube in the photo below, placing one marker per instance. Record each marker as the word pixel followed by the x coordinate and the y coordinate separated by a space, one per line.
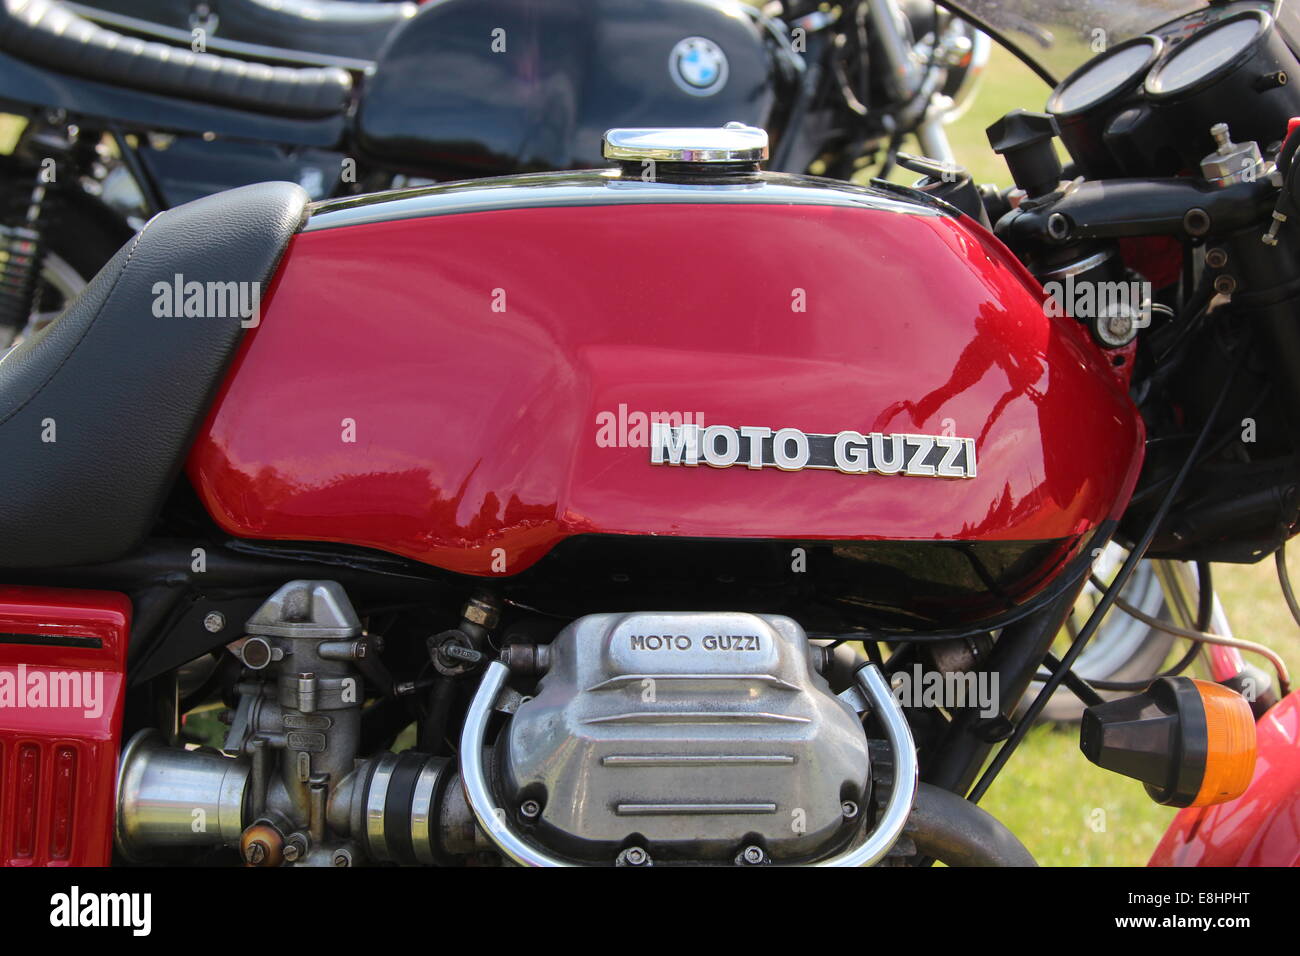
pixel 1108 598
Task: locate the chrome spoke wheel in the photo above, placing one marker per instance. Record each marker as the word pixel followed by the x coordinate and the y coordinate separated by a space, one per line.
pixel 1123 648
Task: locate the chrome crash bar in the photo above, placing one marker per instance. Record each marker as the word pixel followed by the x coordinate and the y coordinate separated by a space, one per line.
pixel 493 820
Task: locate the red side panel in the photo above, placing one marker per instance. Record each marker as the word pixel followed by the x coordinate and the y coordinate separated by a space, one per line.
pixel 1262 826
pixel 62 678
pixel 436 387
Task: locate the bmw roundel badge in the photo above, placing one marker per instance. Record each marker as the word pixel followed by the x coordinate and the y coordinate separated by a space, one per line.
pixel 698 66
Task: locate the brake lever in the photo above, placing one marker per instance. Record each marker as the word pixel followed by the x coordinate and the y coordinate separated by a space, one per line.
pixel 1286 205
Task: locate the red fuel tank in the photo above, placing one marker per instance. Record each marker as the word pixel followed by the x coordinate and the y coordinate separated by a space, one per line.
pixel 591 374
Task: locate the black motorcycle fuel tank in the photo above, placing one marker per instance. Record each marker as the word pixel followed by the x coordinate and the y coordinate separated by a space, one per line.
pixel 479 87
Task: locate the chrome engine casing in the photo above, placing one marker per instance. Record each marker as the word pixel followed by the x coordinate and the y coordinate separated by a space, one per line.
pixel 689 735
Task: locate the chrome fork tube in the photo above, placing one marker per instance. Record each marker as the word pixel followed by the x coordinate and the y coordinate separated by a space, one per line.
pixel 902 71
pixel 1180 584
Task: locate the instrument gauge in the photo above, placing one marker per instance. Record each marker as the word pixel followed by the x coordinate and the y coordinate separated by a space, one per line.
pixel 1208 56
pixel 1089 98
pixel 1114 74
pixel 1237 71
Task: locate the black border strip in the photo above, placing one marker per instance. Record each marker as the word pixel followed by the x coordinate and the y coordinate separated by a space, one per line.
pixel 51 640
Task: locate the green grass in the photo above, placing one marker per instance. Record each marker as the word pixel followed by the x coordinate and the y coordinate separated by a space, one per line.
pixel 1067 811
pixel 1050 795
pixel 1007 84
pixel 11 127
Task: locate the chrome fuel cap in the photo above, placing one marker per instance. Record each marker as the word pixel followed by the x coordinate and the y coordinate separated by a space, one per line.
pixel 709 146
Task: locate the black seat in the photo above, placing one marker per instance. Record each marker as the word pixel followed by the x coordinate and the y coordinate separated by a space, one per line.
pixel 46 32
pixel 98 411
pixel 345 28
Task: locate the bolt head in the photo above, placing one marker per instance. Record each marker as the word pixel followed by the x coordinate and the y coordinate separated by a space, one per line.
pixel 634 856
pixel 214 622
pixel 530 809
pixel 753 855
pixel 1196 222
pixel 342 858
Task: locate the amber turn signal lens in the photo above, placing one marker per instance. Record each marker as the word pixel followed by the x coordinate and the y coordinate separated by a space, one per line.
pixel 1229 747
pixel 1191 742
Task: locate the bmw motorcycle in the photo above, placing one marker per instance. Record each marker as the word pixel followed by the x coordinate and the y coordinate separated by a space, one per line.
pixel 129 107
pixel 567 519
pixel 329 31
pixel 347 33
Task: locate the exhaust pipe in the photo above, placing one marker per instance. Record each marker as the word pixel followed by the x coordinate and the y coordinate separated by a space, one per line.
pixel 945 827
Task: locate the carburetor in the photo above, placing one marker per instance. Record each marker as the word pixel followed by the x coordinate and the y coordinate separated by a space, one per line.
pixel 675 737
pixel 289 787
pixel 308 637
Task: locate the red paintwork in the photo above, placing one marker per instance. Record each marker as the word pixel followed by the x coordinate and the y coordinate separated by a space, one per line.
pixel 1262 826
pixel 477 429
pixel 1159 259
pixel 60 762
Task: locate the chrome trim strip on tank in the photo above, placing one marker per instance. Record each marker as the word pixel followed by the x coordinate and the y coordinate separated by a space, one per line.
pixel 492 819
pixel 607 188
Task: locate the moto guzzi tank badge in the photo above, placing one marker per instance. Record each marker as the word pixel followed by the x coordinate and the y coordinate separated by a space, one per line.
pixel 789 449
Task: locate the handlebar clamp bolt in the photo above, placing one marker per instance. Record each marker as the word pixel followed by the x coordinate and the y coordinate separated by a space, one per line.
pixel 1196 222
